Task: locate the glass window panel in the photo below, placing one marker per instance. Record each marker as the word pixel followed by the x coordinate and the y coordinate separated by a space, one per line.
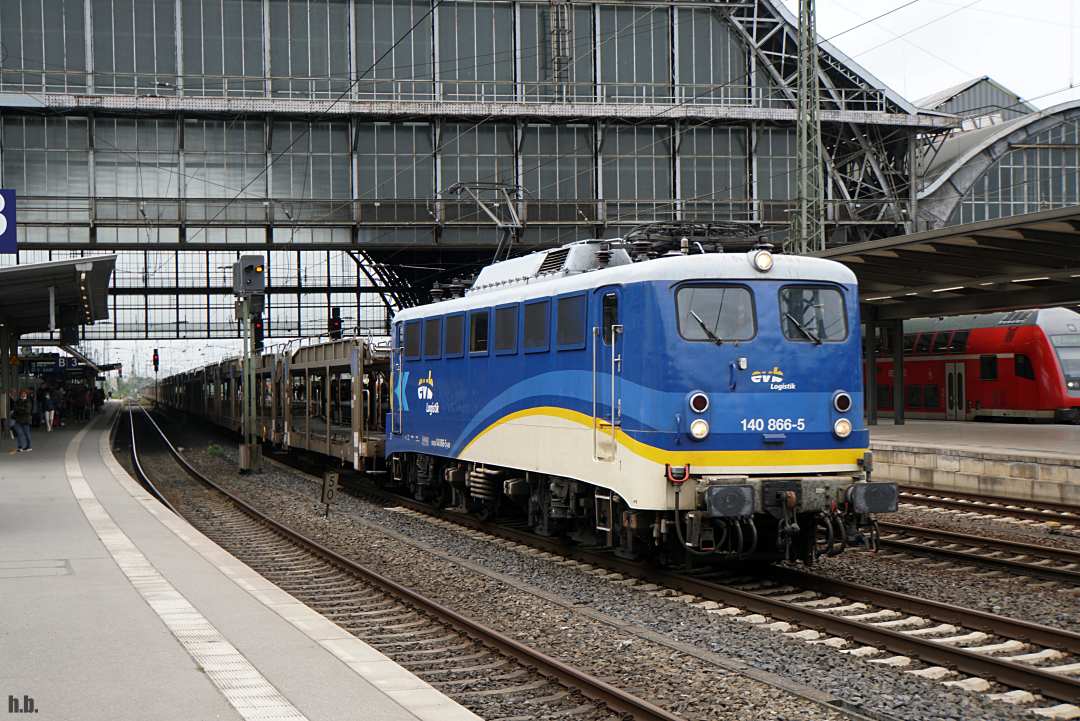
pixel 715 313
pixel 812 314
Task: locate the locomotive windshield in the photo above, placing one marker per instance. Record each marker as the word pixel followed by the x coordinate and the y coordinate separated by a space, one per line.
pixel 1068 351
pixel 715 313
pixel 812 314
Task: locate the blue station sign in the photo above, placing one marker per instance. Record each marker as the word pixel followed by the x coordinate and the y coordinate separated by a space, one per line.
pixel 7 221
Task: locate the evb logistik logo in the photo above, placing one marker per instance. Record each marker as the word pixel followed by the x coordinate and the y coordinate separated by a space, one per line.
pixel 7 221
pixel 773 378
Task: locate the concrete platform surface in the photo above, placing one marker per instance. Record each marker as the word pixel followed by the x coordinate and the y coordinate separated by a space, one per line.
pixel 111 607
pixel 1009 438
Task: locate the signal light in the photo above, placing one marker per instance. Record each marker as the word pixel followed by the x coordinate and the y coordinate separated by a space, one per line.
pixel 155 360
pixel 257 333
pixel 335 323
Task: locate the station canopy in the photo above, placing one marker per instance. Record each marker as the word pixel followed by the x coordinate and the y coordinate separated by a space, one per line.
pixel 1018 262
pixel 79 293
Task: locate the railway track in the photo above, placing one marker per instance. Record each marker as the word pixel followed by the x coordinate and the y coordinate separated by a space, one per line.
pixel 1041 511
pixel 964 647
pixel 1055 564
pixel 479 667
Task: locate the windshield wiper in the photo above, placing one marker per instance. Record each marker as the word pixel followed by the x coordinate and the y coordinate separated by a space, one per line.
pixel 805 331
pixel 712 336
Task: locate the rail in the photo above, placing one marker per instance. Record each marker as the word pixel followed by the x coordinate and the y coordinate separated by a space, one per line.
pixel 616 699
pixel 1009 673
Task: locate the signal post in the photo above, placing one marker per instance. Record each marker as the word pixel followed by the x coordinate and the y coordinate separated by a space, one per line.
pixel 249 285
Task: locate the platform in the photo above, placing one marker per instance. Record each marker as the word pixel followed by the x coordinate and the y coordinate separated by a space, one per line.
pixel 1031 462
pixel 111 607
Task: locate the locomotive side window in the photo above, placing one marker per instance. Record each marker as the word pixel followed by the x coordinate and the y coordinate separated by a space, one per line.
pixel 611 316
pixel 988 370
pixel 432 337
pixel 478 331
pixel 537 323
pixel 812 314
pixel 1024 368
pixel 923 344
pixel 455 335
pixel 715 313
pixel 506 322
pixel 412 339
pixel 570 322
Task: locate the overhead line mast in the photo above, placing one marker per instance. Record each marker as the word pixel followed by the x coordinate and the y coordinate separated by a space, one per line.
pixel 808 227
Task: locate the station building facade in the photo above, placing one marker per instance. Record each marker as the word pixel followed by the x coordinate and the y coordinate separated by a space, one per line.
pixel 365 146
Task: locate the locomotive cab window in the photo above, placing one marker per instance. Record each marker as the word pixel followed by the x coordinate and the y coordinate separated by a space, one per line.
pixel 455 335
pixel 537 323
pixel 412 339
pixel 1024 367
pixel 478 332
pixel 715 313
pixel 812 314
pixel 432 337
pixel 506 322
pixel 570 322
pixel 610 306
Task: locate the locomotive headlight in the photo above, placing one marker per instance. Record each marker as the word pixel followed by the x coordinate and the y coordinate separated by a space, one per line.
pixel 842 428
pixel 699 402
pixel 699 428
pixel 841 402
pixel 763 261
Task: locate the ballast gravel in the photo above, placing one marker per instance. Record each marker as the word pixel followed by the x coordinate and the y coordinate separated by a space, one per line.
pixel 575 635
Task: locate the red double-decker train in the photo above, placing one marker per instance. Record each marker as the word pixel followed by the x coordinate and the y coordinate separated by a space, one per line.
pixel 1017 365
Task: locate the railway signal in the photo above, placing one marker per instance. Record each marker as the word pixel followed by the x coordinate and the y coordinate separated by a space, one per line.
pixel 249 284
pixel 156 360
pixel 257 333
pixel 335 323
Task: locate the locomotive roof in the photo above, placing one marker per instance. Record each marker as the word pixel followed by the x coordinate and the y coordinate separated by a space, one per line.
pixel 1057 319
pixel 696 266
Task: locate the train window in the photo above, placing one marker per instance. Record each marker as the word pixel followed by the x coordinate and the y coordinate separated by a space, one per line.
pixel 478 331
pixel 988 368
pixel 432 337
pixel 715 313
pixel 610 307
pixel 570 322
pixel 932 397
pixel 812 314
pixel 1067 347
pixel 537 325
pixel 909 343
pixel 412 339
pixel 884 396
pixel 923 344
pixel 914 397
pixel 506 322
pixel 1024 368
pixel 455 335
pixel 959 341
pixel 941 342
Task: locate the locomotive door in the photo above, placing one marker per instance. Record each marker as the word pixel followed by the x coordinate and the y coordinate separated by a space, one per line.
pixel 607 343
pixel 954 392
pixel 397 381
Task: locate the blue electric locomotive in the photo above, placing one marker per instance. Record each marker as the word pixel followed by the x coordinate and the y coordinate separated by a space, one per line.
pixel 708 403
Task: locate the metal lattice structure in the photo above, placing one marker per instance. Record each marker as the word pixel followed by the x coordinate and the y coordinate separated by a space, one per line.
pixel 808 234
pixel 180 145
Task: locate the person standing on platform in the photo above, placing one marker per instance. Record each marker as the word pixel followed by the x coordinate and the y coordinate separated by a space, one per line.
pixel 49 406
pixel 21 423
